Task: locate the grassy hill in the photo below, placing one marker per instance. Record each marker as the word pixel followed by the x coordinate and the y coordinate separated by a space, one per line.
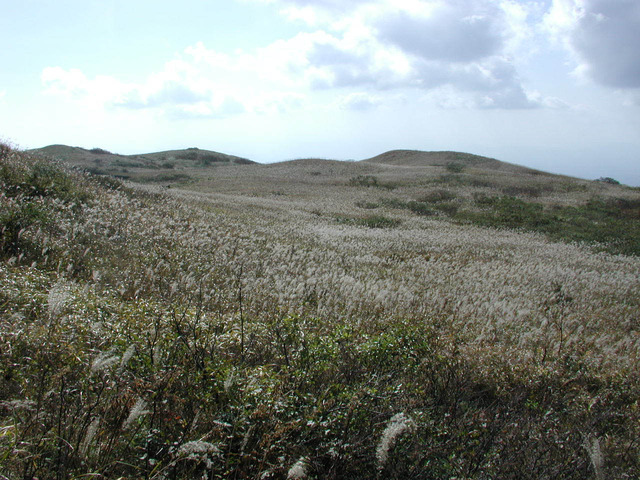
pixel 159 167
pixel 453 160
pixel 317 319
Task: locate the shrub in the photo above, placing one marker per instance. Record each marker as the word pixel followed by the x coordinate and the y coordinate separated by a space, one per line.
pixel 367 205
pixel 448 208
pixel 609 180
pixel 242 161
pixel 189 155
pixel 364 181
pixel 372 221
pixel 165 177
pixel 437 196
pixel 100 151
pixel 378 221
pixel 526 190
pixel 420 208
pixel 455 167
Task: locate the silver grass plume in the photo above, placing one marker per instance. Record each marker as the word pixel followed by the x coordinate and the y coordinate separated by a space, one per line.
pixel 298 470
pixel 91 432
pixel 137 411
pixel 592 445
pixel 399 424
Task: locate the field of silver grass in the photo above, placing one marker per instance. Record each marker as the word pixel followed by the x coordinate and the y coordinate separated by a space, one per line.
pixel 164 333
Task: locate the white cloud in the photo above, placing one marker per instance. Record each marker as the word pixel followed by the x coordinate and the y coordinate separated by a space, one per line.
pixel 378 46
pixel 74 84
pixel 449 34
pixel 467 45
pixel 603 36
pixel 67 82
pixel 179 90
pixel 360 101
pixel 562 17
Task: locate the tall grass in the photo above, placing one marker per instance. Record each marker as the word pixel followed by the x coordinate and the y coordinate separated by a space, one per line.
pixel 152 333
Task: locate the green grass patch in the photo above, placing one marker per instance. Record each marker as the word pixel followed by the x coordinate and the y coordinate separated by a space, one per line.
pixel 370 181
pixel 614 224
pixel 371 221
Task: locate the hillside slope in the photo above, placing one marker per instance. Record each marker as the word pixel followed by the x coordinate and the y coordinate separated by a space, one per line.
pixel 417 158
pixel 157 333
pixel 167 166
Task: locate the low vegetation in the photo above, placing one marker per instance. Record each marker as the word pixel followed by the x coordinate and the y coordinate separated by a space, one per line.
pixel 154 333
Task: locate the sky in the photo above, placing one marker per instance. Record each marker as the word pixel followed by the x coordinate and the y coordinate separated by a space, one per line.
pixel 550 84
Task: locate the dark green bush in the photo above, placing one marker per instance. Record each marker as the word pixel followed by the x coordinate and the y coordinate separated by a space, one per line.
pixel 100 151
pixel 364 181
pixel 189 155
pixel 372 221
pixel 609 180
pixel 420 208
pixel 455 167
pixel 448 208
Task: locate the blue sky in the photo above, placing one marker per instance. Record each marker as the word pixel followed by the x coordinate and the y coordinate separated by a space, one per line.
pixel 549 84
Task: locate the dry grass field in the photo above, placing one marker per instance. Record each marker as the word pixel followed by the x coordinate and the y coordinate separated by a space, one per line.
pixel 415 315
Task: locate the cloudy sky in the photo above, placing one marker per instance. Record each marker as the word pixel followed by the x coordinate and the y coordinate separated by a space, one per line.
pixel 552 84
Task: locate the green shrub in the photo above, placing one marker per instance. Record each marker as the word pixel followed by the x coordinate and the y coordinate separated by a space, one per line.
pixel 100 151
pixel 420 208
pixel 367 205
pixel 448 208
pixel 16 218
pixel 455 167
pixel 364 181
pixel 165 177
pixel 372 221
pixel 189 155
pixel 609 180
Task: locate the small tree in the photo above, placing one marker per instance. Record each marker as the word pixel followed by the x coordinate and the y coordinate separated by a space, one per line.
pixel 609 180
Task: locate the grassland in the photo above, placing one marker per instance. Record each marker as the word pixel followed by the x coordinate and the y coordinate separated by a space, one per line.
pixel 159 167
pixel 441 318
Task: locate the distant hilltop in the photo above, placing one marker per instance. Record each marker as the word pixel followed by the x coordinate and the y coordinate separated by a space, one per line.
pixel 169 165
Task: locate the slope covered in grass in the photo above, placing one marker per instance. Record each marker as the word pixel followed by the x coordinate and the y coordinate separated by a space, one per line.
pixel 151 333
pixel 171 166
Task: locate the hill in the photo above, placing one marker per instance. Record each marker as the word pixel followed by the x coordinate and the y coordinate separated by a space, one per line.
pixel 168 166
pixel 453 160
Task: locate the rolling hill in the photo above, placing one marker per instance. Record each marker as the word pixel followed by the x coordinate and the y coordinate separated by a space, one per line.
pixel 417 158
pixel 167 166
pixel 344 319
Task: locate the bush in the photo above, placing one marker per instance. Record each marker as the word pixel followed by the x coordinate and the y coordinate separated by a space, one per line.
pixel 609 180
pixel 372 221
pixel 522 190
pixel 420 208
pixel 455 167
pixel 367 205
pixel 437 196
pixel 189 155
pixel 448 208
pixel 364 181
pixel 100 151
